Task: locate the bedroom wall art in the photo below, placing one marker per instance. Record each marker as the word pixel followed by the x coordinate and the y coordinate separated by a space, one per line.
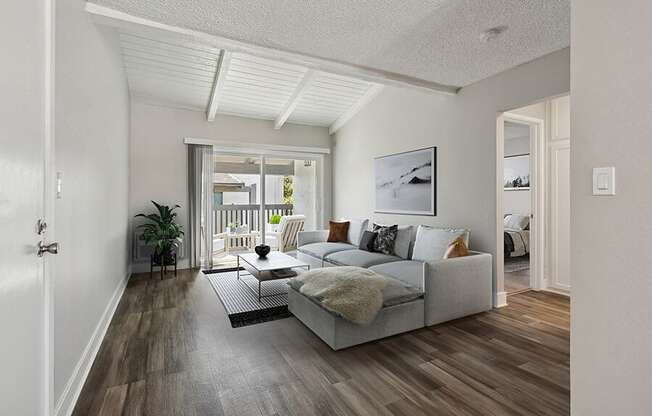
pixel 517 172
pixel 406 182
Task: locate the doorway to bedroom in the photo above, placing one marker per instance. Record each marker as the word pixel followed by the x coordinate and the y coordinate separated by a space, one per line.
pixel 534 198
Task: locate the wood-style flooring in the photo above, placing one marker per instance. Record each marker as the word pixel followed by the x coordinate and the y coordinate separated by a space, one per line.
pixel 171 351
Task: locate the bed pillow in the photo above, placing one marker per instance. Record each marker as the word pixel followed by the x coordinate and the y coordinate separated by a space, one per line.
pixel 337 232
pixel 385 238
pixel 517 222
pixel 432 243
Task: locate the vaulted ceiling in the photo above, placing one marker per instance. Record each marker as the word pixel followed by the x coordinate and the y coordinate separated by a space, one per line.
pixel 433 40
pixel 201 77
pixel 319 62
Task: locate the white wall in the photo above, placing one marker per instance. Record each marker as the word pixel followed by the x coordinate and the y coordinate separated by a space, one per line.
pixel 159 157
pixel 92 131
pixel 611 125
pixel 463 127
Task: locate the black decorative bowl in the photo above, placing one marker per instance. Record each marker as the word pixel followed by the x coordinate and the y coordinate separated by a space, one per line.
pixel 262 250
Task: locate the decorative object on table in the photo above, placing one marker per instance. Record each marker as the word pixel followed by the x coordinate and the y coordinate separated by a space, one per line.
pixel 262 250
pixel 338 232
pixel 164 234
pixel 405 182
pixel 517 172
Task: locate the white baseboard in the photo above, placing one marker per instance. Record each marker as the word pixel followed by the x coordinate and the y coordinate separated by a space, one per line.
pixel 501 299
pixel 66 403
pixel 556 291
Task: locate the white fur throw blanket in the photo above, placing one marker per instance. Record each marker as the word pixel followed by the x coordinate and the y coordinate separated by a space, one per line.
pixel 354 293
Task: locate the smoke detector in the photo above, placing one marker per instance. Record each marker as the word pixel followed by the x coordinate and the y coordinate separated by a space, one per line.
pixel 491 34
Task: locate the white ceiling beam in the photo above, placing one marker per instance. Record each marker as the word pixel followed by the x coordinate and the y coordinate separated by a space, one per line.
pixel 368 96
pixel 138 25
pixel 218 82
pixel 301 88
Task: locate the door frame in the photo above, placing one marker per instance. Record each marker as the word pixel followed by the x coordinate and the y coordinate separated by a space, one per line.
pixel 537 195
pixel 49 202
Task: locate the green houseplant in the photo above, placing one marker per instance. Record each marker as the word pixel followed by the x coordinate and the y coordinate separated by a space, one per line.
pixel 162 232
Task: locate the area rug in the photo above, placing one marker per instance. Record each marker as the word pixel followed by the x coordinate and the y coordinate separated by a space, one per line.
pixel 516 264
pixel 240 298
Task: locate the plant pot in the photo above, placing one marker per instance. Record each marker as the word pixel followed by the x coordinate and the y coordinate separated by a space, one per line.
pixel 166 258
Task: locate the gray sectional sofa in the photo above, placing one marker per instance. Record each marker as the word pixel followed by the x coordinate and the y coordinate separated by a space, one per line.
pixel 453 288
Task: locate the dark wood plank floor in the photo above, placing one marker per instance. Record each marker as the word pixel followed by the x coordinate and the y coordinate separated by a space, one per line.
pixel 171 351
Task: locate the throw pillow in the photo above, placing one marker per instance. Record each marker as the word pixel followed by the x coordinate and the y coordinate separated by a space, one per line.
pixel 338 232
pixel 356 228
pixel 456 249
pixel 385 239
pixel 367 241
pixel 432 243
pixel 402 240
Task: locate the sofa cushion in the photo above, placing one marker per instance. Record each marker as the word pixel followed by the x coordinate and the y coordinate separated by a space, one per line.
pixel 359 258
pixel 408 271
pixel 431 243
pixel 356 228
pixel 321 250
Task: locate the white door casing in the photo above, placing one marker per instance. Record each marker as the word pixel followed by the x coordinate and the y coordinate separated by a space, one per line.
pixel 560 215
pixel 537 180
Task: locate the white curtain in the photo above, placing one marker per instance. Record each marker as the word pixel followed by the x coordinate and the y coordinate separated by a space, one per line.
pixel 200 185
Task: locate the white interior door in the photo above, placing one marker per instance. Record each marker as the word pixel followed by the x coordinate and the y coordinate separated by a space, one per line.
pixel 25 80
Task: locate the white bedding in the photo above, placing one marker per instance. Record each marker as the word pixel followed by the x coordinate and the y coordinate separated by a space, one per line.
pixel 521 239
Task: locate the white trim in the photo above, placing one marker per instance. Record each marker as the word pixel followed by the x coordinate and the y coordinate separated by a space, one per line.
pixel 557 291
pixel 499 295
pixel 49 203
pixel 68 399
pixel 501 300
pixel 555 146
pixel 537 180
pixel 293 101
pixel 256 148
pixel 138 25
pixel 220 77
pixel 368 97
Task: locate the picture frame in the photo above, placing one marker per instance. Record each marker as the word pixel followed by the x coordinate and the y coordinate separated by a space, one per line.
pixel 516 172
pixel 405 182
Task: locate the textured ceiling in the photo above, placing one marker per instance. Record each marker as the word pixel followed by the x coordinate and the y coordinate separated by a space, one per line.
pixel 435 40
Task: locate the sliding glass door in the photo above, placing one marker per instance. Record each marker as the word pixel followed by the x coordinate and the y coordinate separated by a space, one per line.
pixel 246 213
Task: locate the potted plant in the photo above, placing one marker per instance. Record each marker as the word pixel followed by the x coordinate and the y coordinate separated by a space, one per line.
pixel 163 233
pixel 274 221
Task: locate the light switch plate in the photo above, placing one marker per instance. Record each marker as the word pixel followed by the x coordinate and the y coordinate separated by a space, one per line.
pixel 604 181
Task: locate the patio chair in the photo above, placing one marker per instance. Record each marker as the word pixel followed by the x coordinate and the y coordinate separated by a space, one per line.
pixel 285 239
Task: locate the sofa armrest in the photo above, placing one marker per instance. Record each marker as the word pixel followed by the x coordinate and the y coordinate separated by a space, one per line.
pixel 308 237
pixel 458 287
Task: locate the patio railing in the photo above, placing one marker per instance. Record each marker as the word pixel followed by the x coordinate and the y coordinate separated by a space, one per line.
pixel 223 215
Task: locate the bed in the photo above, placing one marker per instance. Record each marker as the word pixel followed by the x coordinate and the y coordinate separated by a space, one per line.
pixel 516 235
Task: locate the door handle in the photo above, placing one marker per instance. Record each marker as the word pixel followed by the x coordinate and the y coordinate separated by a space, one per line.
pixel 52 248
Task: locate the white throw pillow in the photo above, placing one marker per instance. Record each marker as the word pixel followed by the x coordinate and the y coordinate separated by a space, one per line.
pixel 431 243
pixel 356 228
